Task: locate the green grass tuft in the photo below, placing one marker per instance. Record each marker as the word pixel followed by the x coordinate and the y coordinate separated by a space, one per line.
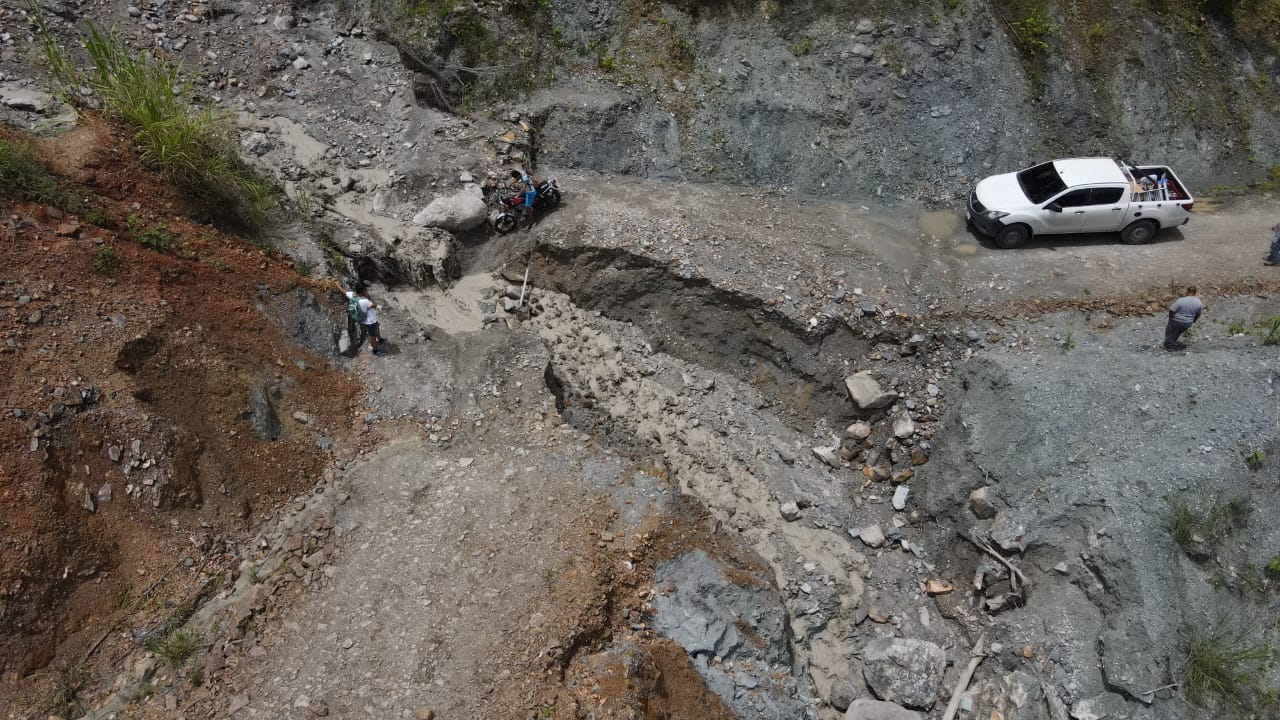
pixel 1255 459
pixel 61 697
pixel 1272 328
pixel 194 149
pixel 1198 527
pixel 22 177
pixel 175 646
pixel 1222 667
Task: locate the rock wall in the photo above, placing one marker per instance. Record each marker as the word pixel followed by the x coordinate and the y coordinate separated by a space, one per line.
pixel 899 102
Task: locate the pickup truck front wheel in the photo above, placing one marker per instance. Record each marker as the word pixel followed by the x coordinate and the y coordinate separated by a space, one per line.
pixel 1138 233
pixel 1011 236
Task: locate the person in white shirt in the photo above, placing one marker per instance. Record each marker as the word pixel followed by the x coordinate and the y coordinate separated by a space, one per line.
pixel 364 311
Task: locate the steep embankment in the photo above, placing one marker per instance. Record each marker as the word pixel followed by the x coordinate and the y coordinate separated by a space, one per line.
pixel 152 412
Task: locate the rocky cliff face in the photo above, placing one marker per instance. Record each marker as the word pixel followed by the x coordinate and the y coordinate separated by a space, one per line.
pixel 905 101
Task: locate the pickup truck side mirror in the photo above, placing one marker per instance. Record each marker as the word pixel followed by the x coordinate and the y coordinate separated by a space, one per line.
pixel 1053 207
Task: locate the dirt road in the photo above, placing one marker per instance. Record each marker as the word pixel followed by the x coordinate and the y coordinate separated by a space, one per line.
pixel 913 258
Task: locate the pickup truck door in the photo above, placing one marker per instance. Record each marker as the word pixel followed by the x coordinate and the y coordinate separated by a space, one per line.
pixel 1105 211
pixel 1064 213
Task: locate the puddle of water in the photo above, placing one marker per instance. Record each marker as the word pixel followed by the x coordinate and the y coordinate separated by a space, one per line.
pixel 456 310
pixel 940 224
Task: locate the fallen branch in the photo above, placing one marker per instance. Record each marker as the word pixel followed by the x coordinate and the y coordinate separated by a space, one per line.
pixel 1170 686
pixel 977 653
pixel 1015 574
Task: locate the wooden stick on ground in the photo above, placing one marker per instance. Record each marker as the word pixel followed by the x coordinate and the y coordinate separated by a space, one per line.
pixel 978 653
pixel 1014 572
pixel 525 285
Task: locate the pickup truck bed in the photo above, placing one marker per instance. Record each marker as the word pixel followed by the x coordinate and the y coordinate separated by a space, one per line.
pixel 1155 182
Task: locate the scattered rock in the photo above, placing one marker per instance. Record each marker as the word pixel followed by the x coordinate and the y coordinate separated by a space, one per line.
pixel 938 587
pixel 842 695
pixel 866 393
pixel 900 497
pixel 858 431
pixel 284 22
pixel 903 427
pixel 790 511
pixel 1007 534
pixel 827 455
pixel 871 536
pixel 980 503
pixel 904 671
pixel 301 64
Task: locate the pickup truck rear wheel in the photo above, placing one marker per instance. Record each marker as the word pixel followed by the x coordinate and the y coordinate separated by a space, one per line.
pixel 1011 236
pixel 1138 233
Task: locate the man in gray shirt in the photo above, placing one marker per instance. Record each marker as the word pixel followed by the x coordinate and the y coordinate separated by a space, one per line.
pixel 1182 314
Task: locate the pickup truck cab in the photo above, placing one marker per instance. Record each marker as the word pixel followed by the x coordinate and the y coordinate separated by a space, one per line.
pixel 1079 195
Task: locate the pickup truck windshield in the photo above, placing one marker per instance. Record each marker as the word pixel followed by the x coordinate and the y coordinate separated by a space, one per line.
pixel 1041 182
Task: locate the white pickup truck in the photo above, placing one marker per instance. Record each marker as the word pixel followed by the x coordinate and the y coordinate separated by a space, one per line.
pixel 1079 195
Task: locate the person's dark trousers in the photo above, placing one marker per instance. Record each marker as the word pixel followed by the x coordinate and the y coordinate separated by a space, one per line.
pixel 1274 256
pixel 1172 332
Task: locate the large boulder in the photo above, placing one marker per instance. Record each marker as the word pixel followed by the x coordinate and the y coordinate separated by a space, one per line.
pixel 904 671
pixel 865 709
pixel 429 256
pixel 866 393
pixel 462 211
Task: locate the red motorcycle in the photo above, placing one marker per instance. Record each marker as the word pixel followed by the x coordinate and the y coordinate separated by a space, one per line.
pixel 509 208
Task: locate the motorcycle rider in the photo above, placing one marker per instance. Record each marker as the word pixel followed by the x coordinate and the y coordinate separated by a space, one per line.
pixel 529 185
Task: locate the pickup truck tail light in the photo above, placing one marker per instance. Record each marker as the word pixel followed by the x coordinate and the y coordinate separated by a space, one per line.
pixel 1188 206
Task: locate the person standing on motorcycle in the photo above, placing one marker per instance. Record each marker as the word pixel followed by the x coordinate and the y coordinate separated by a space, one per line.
pixel 530 192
